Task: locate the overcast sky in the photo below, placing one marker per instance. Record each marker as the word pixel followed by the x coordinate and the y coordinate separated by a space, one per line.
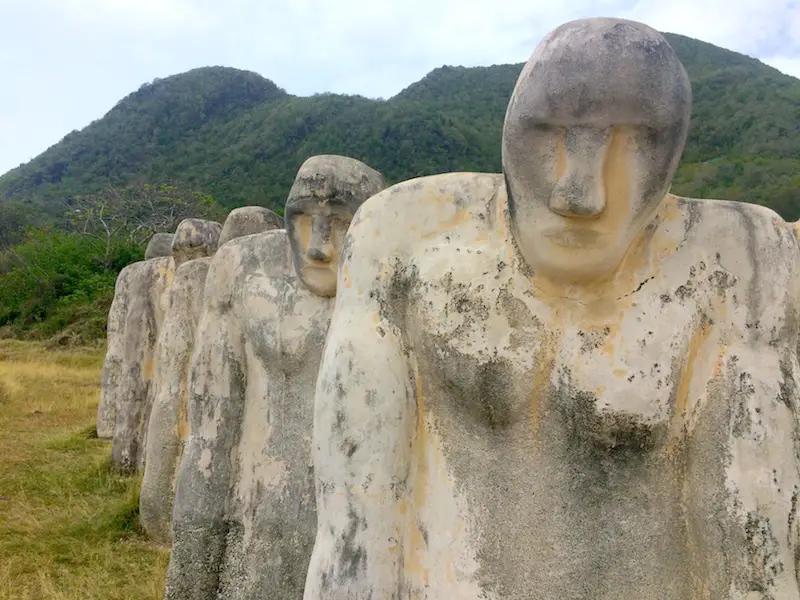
pixel 64 63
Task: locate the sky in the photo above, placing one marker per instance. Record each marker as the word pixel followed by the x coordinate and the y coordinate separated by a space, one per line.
pixel 65 63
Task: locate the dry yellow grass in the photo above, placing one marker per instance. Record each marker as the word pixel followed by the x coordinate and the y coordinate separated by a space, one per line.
pixel 68 525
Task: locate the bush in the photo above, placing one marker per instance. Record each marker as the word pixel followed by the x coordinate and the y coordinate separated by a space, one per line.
pixel 59 282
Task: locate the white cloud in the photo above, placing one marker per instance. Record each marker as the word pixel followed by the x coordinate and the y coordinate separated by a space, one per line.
pixel 151 15
pixel 785 64
pixel 72 60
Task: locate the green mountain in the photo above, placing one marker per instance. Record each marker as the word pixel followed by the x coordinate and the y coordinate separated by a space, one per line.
pixel 240 138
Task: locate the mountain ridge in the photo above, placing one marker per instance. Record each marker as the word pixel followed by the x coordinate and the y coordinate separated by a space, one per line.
pixel 240 137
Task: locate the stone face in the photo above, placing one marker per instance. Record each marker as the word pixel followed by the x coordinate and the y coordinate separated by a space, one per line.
pixel 600 101
pixel 327 191
pixel 247 221
pixel 167 427
pixel 589 391
pixel 148 300
pixel 244 513
pixel 159 245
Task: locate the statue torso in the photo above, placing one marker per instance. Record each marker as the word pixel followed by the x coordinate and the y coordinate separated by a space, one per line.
pixel 568 445
pixel 272 507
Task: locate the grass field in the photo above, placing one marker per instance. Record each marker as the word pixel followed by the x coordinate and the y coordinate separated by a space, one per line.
pixel 68 525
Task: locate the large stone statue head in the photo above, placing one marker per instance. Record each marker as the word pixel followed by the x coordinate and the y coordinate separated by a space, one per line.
pixel 248 220
pixel 593 134
pixel 159 245
pixel 195 238
pixel 326 193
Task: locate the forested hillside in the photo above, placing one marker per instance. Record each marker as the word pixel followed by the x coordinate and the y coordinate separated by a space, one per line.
pixel 238 137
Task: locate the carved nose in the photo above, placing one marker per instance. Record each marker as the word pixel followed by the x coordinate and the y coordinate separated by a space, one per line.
pixel 318 255
pixel 578 196
pixel 320 249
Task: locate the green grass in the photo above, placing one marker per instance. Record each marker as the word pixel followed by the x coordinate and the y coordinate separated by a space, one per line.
pixel 68 524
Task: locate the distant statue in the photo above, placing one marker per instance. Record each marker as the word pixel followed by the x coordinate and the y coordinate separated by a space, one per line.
pixel 249 220
pixel 563 381
pixel 149 297
pixel 244 517
pixel 167 426
pixel 111 376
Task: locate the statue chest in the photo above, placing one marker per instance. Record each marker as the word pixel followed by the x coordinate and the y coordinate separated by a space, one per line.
pixel 492 346
pixel 283 323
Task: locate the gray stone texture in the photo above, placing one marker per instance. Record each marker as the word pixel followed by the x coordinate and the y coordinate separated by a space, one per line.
pixel 195 238
pixel 148 295
pixel 115 341
pixel 563 381
pixel 159 245
pixel 168 426
pixel 248 220
pixel 244 514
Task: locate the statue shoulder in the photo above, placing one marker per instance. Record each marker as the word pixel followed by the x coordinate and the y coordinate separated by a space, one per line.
pixel 423 208
pixel 730 226
pixel 755 245
pixel 265 253
pixel 252 252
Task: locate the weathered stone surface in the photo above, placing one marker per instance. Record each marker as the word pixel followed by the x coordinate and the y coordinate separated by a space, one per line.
pixel 244 516
pixel 563 382
pixel 195 238
pixel 112 365
pixel 168 426
pixel 247 221
pixel 325 194
pixel 159 245
pixel 148 295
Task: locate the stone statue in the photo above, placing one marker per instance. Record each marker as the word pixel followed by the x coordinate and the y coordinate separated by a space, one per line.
pixel 247 221
pixel 149 297
pixel 115 332
pixel 244 517
pixel 167 427
pixel 159 245
pixel 563 381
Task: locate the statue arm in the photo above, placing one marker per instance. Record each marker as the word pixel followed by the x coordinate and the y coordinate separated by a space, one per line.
pixel 764 472
pixel 216 389
pixel 363 425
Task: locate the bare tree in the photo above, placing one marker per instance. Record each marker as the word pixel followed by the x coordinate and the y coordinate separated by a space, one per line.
pixel 134 213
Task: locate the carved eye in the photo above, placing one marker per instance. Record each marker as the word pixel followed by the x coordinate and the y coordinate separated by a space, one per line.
pixel 543 128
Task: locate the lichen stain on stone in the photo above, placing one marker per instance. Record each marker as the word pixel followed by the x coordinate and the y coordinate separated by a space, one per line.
pixel 204 464
pixel 763 554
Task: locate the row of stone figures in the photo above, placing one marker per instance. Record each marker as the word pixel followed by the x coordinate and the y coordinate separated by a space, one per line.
pixel 561 381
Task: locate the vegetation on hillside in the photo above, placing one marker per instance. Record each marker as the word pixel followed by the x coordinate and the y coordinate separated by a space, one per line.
pixel 69 525
pixel 74 216
pixel 60 281
pixel 238 137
